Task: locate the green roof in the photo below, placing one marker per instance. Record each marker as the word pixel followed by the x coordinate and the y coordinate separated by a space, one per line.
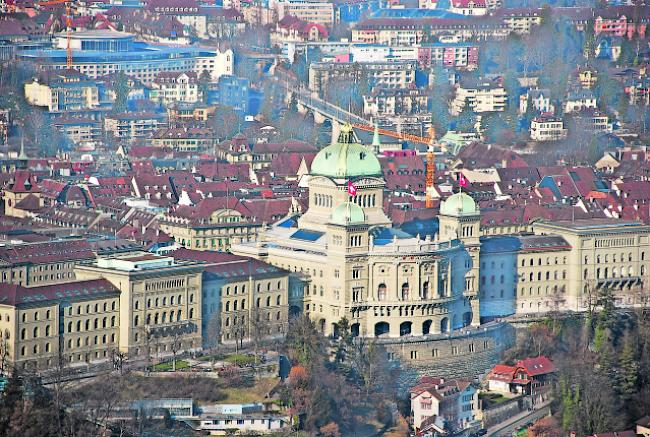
pixel 459 204
pixel 346 158
pixel 348 213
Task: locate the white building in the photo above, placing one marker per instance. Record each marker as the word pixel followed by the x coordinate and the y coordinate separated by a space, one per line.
pixel 98 53
pixel 481 97
pixel 580 99
pixel 171 87
pixel 469 7
pixel 547 129
pixel 454 401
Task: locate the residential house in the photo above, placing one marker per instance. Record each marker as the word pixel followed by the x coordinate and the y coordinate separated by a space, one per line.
pixel 293 29
pixel 579 99
pixel 538 100
pixel 524 377
pixel 547 128
pixel 455 401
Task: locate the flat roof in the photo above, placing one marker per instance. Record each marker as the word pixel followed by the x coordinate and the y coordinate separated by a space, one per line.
pixel 589 224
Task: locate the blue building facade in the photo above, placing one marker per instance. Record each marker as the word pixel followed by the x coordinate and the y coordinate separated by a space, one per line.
pixel 498 280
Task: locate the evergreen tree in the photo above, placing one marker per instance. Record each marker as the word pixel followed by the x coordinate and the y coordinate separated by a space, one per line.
pixel 629 371
pixel 121 92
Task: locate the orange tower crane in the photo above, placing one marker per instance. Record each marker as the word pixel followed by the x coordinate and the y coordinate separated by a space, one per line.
pixel 68 25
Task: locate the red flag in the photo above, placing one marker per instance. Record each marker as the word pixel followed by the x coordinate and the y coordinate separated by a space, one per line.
pixel 352 190
pixel 462 180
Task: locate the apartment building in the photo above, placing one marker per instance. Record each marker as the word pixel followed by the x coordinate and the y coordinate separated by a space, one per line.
pixel 133 125
pixel 381 74
pixel 159 302
pixel 170 87
pixel 188 139
pixel 75 322
pixel 391 102
pixel 311 11
pixel 479 97
pixel 547 128
pixel 65 90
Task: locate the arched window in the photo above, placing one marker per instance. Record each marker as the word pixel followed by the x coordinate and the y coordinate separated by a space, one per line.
pixel 268 301
pixel 191 313
pixel 425 290
pixel 36 332
pixel 405 291
pixel 23 333
pixel 278 300
pixel 381 292
pixel 136 320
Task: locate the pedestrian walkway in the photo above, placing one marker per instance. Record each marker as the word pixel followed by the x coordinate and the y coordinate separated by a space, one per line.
pixel 495 429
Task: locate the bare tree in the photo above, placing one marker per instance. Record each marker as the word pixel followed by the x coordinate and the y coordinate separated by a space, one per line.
pixel 175 346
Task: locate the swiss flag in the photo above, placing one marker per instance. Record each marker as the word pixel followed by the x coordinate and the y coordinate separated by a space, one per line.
pixel 352 190
pixel 462 180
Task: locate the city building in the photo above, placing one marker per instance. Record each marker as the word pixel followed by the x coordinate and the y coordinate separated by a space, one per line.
pixel 44 263
pixel 448 404
pixel 243 299
pixel 547 128
pixel 311 11
pixel 185 139
pixel 74 322
pixel 159 302
pixel 469 7
pixel 21 195
pixel 170 87
pixel 387 282
pixel 66 90
pixel 213 224
pixel 391 102
pixel 610 253
pixel 388 74
pixel 99 53
pixel 131 126
pixel 479 97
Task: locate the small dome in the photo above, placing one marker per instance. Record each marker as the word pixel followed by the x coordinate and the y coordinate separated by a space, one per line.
pixel 459 204
pixel 346 158
pixel 347 213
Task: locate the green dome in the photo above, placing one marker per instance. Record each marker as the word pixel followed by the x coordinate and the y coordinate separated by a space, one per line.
pixel 346 158
pixel 347 213
pixel 459 204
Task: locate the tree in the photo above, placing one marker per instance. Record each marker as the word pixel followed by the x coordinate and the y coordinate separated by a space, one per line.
pixel 629 372
pixel 121 92
pixel 546 427
pixel 330 430
pixel 204 85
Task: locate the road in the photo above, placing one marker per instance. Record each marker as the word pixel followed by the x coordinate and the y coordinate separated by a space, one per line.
pixel 508 427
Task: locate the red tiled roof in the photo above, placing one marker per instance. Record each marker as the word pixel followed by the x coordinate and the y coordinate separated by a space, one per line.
pixel 55 251
pixel 15 295
pixel 537 366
